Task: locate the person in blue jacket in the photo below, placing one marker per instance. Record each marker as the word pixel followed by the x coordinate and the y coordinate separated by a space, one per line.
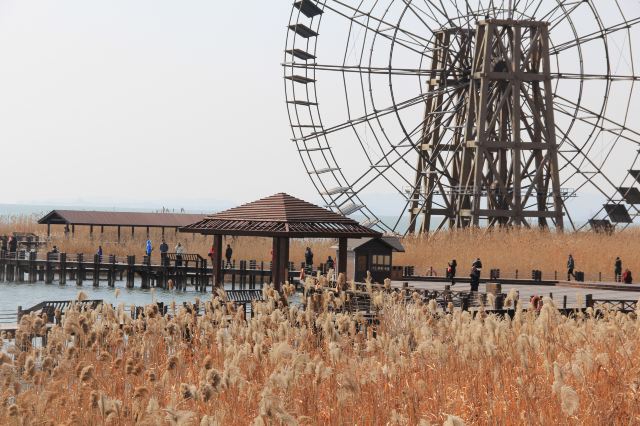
pixel 149 248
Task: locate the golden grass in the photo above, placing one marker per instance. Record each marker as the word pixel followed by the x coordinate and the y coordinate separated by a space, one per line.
pixel 525 250
pixel 293 366
pixel 507 250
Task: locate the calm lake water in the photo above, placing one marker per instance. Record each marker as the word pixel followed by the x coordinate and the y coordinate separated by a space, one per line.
pixel 26 295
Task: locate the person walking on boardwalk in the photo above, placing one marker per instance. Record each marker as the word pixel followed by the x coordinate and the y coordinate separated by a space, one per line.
pixel 626 277
pixel 148 248
pixel 475 278
pixel 308 259
pixel 451 271
pixel 179 252
pixel 164 249
pixel 617 270
pixel 571 264
pixel 99 252
pixel 227 254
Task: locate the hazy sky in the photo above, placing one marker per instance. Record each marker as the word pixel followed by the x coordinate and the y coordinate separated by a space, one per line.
pixel 144 103
pixel 129 102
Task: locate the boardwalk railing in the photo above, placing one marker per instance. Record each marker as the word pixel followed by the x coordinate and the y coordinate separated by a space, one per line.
pixel 173 270
pixel 49 307
pixel 611 304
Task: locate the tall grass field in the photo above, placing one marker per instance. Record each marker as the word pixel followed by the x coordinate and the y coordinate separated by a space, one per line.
pixel 507 250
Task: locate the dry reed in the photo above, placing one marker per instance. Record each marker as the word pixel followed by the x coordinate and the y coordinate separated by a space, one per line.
pixel 288 365
pixel 508 250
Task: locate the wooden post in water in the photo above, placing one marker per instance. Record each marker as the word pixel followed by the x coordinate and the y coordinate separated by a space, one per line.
pixel 33 271
pixel 80 269
pixel 96 270
pixel 131 262
pixel 48 274
pixel 19 269
pixel 112 271
pixel 3 263
pixel 63 268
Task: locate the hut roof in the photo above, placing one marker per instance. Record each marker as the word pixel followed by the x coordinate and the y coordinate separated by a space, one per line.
pixel 391 241
pixel 281 215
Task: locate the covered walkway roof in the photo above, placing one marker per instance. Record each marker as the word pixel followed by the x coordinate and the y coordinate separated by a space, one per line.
pixel 116 219
pixel 106 218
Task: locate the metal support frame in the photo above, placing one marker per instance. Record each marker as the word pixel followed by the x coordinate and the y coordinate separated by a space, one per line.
pixel 501 168
pixel 439 160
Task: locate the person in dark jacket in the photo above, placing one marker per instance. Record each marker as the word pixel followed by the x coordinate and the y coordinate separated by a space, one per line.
pixel 571 264
pixel 228 253
pixel 308 257
pixel 475 278
pixel 13 244
pixel 164 249
pixel 626 277
pixel 330 263
pixel 617 270
pixel 451 271
pixel 477 263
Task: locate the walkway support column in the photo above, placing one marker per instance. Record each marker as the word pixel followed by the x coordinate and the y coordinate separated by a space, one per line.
pixel 342 255
pixel 275 257
pixel 279 261
pixel 218 278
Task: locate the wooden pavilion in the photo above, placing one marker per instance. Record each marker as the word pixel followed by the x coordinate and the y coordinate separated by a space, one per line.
pixel 71 218
pixel 280 217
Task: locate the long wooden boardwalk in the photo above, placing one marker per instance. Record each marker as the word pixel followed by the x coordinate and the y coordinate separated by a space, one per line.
pixel 182 270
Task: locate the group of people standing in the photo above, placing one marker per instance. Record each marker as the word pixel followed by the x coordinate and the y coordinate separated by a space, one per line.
pixel 9 244
pixel 621 276
pixel 164 249
pixel 476 269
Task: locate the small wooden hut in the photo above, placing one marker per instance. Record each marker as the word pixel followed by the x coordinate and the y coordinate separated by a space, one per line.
pixel 371 254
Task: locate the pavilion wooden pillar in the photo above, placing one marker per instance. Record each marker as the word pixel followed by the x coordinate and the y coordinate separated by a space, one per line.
pixel 279 261
pixel 275 255
pixel 342 255
pixel 48 229
pixel 218 278
pixel 118 233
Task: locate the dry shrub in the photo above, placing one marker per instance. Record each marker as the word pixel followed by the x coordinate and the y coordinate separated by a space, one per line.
pixel 288 365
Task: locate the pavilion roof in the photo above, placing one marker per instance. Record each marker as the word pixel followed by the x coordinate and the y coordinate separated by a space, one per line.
pixel 281 215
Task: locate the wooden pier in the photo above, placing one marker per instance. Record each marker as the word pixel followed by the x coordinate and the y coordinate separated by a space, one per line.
pixel 180 270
